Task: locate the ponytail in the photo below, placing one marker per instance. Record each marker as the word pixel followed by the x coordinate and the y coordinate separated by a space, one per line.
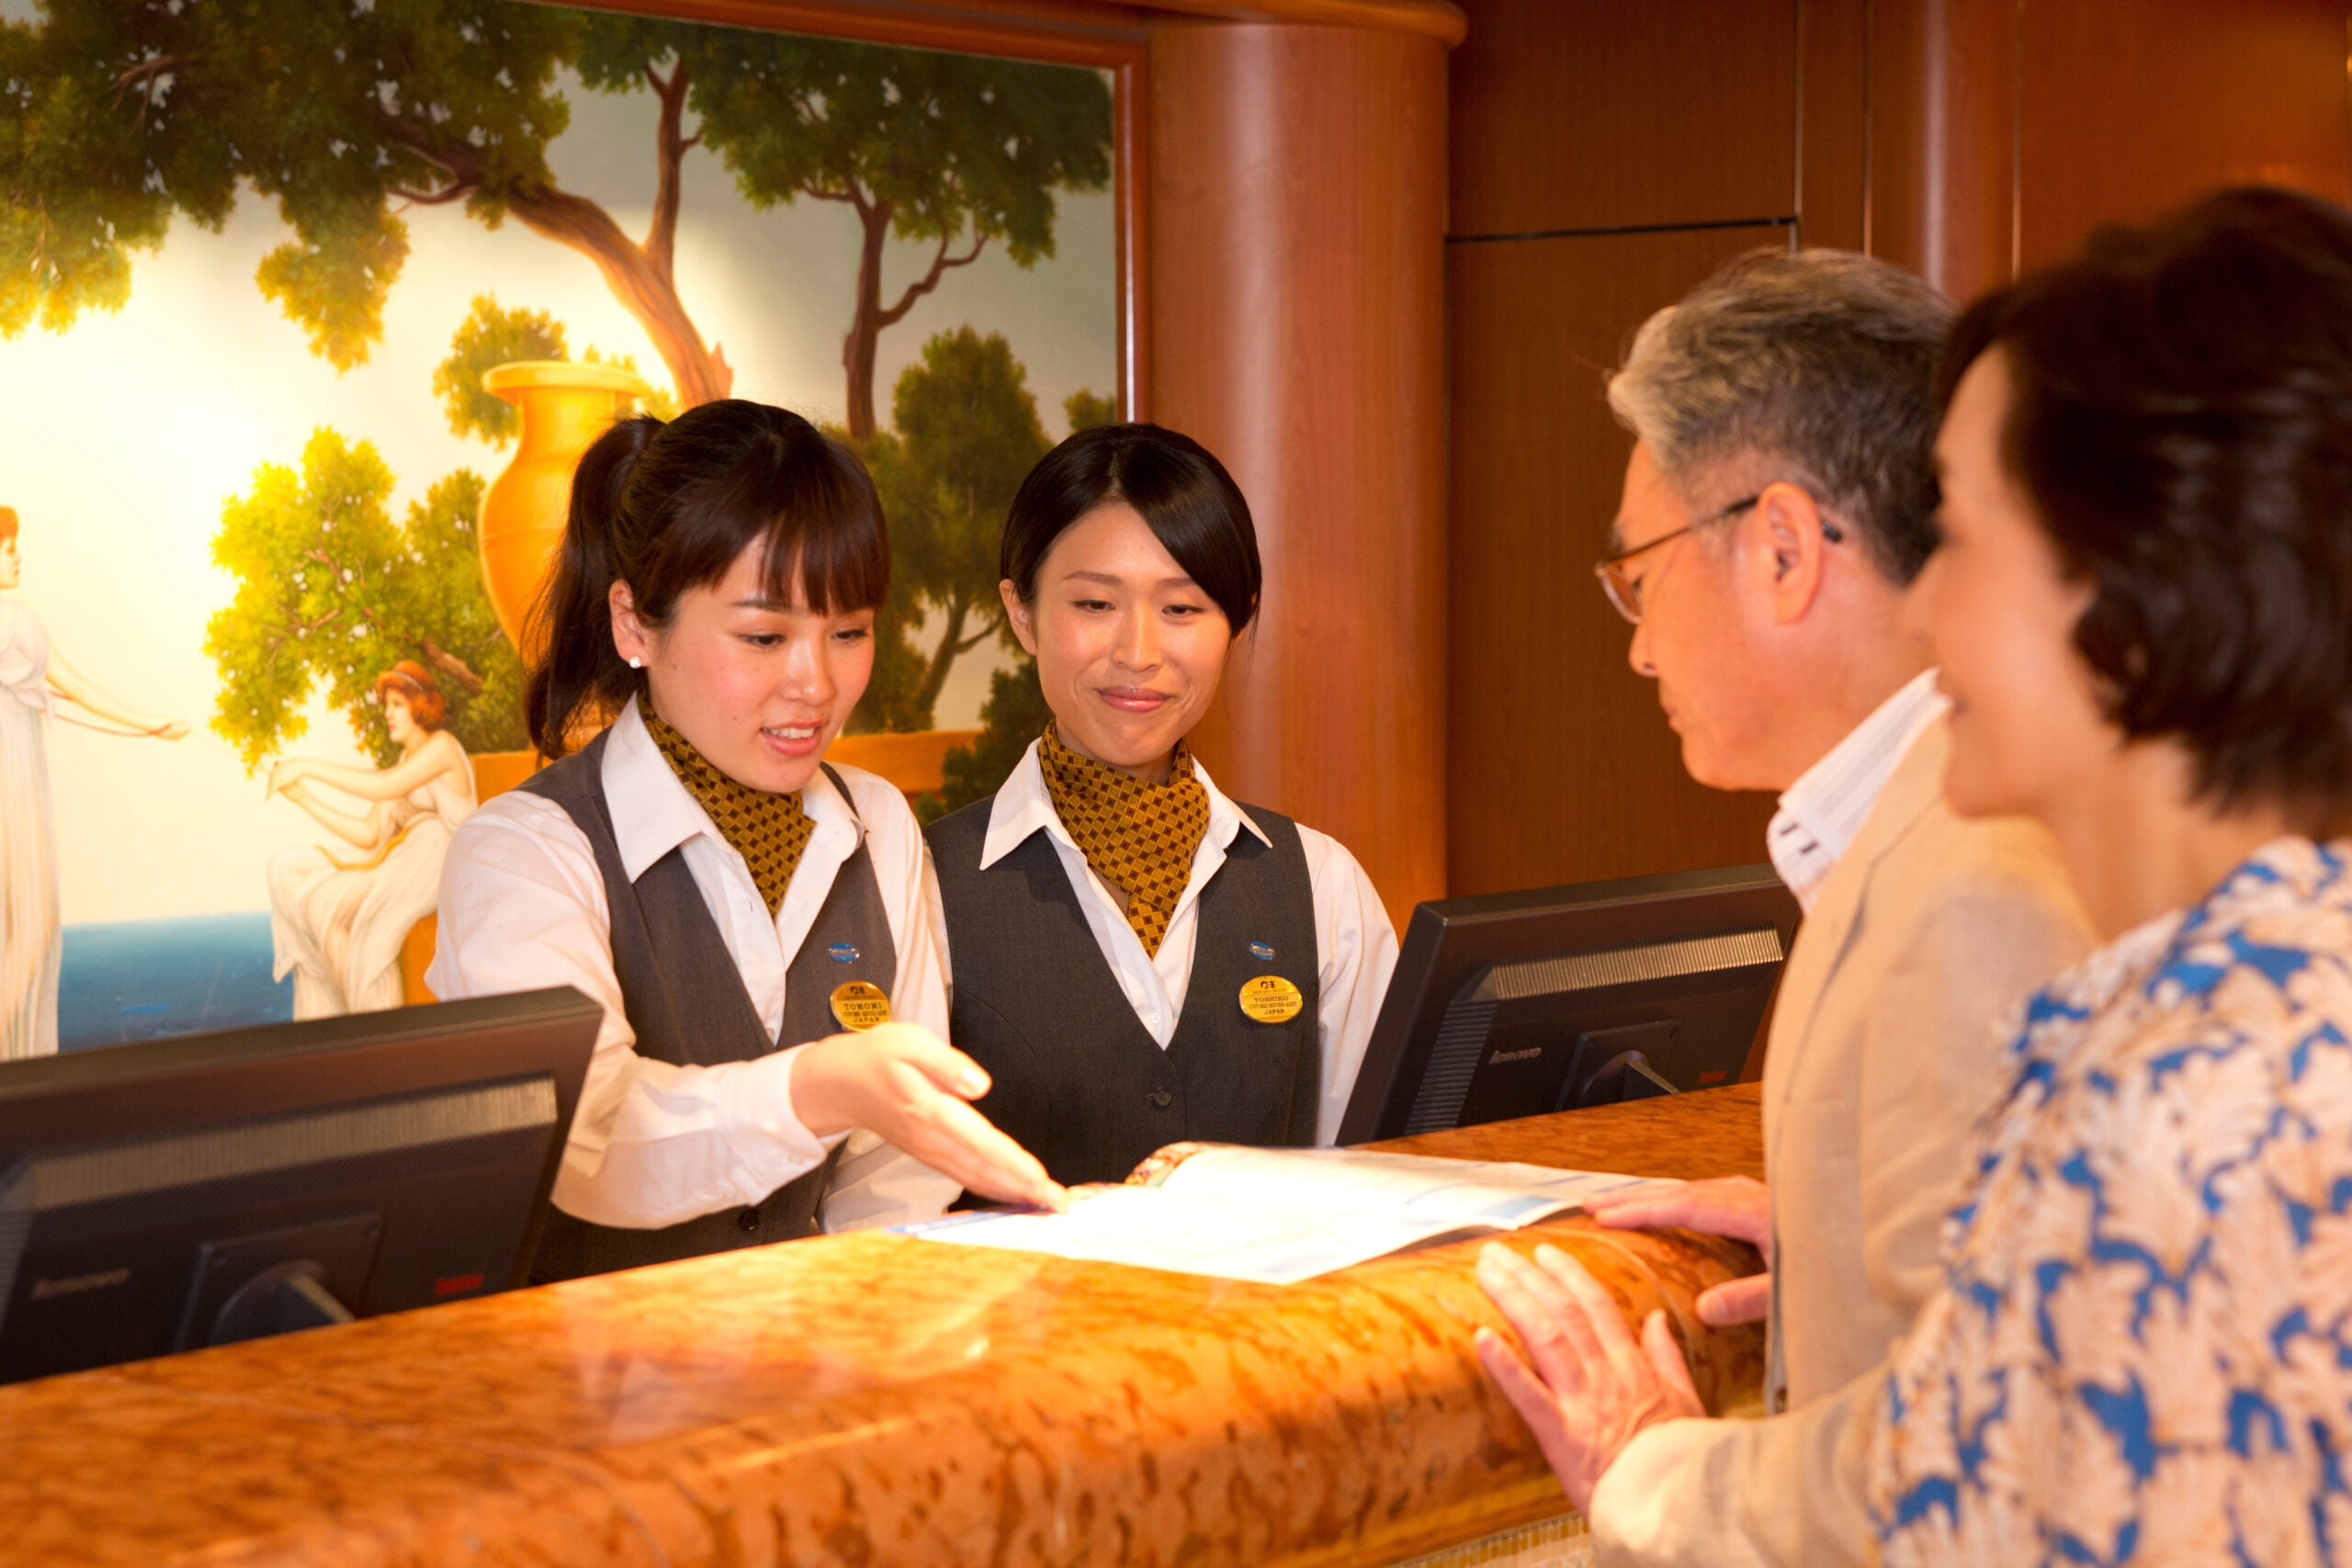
pixel 571 627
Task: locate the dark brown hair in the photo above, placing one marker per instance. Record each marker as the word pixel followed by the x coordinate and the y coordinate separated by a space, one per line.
pixel 2180 422
pixel 1183 493
pixel 666 508
pixel 412 681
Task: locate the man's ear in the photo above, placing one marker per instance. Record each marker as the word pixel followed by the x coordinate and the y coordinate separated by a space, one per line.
pixel 1017 613
pixel 1796 551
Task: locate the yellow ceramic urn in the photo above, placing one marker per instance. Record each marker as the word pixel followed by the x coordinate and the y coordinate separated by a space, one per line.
pixel 564 408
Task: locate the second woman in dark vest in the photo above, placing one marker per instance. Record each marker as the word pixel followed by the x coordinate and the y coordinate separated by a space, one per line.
pixel 1135 958
pixel 754 919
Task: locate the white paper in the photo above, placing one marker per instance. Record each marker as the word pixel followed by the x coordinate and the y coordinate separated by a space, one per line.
pixel 1500 1194
pixel 1278 1216
pixel 1157 1227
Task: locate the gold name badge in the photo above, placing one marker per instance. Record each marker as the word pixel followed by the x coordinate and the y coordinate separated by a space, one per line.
pixel 1269 998
pixel 860 1004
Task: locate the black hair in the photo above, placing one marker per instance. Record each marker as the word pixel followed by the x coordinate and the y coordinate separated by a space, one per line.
pixel 667 508
pixel 2180 423
pixel 1181 490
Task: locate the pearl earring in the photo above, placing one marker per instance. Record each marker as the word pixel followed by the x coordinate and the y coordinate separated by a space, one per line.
pixel 637 663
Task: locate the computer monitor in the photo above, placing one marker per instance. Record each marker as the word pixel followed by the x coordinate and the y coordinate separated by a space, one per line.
pixel 1516 1004
pixel 170 1194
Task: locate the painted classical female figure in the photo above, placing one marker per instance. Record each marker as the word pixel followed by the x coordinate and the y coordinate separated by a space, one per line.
pixel 33 677
pixel 337 922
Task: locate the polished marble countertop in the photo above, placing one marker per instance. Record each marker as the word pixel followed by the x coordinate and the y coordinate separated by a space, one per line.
pixel 871 1400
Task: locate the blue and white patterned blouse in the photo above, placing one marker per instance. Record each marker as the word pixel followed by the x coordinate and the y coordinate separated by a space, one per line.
pixel 2143 1347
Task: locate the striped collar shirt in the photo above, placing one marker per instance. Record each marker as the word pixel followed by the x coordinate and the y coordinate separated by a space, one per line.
pixel 1824 810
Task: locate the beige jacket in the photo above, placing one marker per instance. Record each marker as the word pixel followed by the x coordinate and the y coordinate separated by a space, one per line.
pixel 1885 1048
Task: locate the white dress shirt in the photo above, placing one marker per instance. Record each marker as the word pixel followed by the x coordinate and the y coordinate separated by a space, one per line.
pixel 1356 947
pixel 1827 806
pixel 654 1143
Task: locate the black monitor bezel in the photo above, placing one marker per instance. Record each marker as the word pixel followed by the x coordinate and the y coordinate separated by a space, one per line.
pixel 1443 947
pixel 151 1088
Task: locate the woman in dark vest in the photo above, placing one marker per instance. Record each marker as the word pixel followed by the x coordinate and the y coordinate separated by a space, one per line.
pixel 1138 960
pixel 752 920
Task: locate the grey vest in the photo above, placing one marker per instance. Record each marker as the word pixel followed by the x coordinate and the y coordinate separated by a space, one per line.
pixel 1078 1080
pixel 686 1000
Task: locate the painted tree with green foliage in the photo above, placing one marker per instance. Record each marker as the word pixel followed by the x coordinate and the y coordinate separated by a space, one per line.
pixel 1014 716
pixel 958 151
pixel 492 335
pixel 117 115
pixel 1015 712
pixel 964 434
pixel 331 590
pixel 1088 411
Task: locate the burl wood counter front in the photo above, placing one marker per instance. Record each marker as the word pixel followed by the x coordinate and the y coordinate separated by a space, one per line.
pixel 868 1400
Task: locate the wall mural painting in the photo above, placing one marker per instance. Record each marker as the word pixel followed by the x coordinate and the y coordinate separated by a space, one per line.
pixel 306 314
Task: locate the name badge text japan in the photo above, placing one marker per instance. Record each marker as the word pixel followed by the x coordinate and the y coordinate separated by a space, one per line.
pixel 860 1004
pixel 1269 998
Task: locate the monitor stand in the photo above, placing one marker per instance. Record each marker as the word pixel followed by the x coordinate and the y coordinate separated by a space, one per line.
pixel 1611 1066
pixel 278 1282
pixel 282 1300
pixel 1626 1076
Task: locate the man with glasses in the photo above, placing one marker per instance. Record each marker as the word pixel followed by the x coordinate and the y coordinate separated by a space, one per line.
pixel 1780 499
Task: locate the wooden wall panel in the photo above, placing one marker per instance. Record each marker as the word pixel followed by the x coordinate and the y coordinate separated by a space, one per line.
pixel 1961 137
pixel 1563 767
pixel 1833 123
pixel 2127 109
pixel 1597 114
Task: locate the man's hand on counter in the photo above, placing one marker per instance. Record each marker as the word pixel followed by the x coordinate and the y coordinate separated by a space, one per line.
pixel 1591 1386
pixel 1734 1206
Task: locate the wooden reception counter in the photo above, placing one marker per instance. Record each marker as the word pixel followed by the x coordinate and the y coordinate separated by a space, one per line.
pixel 870 1400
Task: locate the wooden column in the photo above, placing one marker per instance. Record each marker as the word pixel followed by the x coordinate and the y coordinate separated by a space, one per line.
pixel 2003 131
pixel 1943 153
pixel 1296 224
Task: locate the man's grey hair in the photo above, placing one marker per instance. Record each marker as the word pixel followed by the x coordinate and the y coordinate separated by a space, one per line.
pixel 1821 363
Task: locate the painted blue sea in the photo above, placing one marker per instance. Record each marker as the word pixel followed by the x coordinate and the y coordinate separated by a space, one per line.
pixel 142 979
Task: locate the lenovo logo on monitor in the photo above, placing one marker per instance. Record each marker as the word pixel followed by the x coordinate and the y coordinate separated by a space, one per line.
pixel 76 1283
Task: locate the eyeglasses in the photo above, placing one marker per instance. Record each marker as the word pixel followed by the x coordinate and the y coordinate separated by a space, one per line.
pixel 1625 592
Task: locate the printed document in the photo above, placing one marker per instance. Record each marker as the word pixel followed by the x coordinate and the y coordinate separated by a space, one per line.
pixel 1278 1216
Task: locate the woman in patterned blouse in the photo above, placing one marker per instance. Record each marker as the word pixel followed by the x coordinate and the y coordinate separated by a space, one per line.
pixel 2144 608
pixel 2143 612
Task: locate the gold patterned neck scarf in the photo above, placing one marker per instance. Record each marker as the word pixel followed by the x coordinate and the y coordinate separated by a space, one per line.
pixel 768 831
pixel 1139 837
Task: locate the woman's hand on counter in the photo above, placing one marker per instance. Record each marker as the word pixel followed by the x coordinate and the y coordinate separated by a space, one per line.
pixel 905 1083
pixel 1591 1386
pixel 1734 1206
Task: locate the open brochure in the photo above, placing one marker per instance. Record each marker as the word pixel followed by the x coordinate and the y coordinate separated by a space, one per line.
pixel 1278 1216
